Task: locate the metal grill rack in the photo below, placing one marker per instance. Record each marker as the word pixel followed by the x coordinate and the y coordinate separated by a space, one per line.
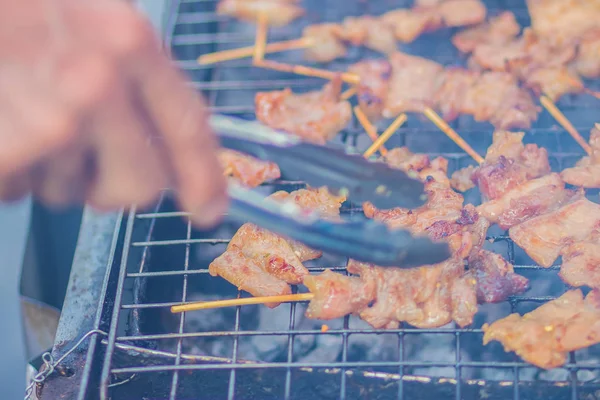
pixel 163 261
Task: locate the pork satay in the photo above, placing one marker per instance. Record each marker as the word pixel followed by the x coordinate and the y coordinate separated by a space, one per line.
pixel 581 264
pixel 586 173
pixel 314 116
pixel 527 200
pixel 545 336
pixel 499 30
pixel 248 170
pixel 496 278
pixel 545 236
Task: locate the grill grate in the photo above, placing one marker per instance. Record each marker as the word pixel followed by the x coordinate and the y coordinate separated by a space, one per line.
pixel 164 262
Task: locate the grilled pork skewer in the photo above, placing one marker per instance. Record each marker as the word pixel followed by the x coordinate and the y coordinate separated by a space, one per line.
pixel 545 336
pixel 247 170
pixel 586 173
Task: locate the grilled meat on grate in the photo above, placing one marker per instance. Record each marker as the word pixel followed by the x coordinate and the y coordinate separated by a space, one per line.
pixel 315 116
pixel 586 173
pixel 248 170
pixel 544 336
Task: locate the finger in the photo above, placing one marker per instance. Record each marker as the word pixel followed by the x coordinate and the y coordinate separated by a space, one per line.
pixel 130 168
pixel 62 180
pixel 181 117
pixel 15 187
pixel 37 122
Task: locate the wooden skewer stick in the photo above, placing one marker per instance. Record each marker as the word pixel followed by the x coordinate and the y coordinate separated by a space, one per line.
pixel 261 38
pixel 563 120
pixel 348 93
pixel 444 127
pixel 242 52
pixel 308 71
pixel 368 127
pixel 401 119
pixel 228 171
pixel 592 93
pixel 205 305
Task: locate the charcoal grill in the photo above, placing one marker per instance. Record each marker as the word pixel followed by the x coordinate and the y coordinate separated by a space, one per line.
pixel 129 267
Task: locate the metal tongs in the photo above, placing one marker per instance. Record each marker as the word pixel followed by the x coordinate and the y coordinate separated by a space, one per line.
pixel 358 179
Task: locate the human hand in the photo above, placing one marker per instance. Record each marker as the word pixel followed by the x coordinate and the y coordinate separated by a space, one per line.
pixel 92 110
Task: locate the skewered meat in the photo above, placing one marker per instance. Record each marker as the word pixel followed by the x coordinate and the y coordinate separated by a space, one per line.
pixel 581 264
pixel 248 170
pixel 456 13
pixel 279 12
pixel 425 297
pixel 563 22
pixel 247 274
pixel 373 88
pixel 587 61
pixel 281 259
pixel 498 30
pixel 314 116
pixel 509 107
pixel 468 92
pixel 327 44
pixel 586 172
pixel 508 164
pixel 403 159
pixel 369 32
pixel 337 295
pixel 554 82
pixel 544 336
pixel 449 98
pixel 413 84
pixel 496 278
pixel 462 179
pixel 528 200
pixel 409 24
pixel 522 56
pixel 544 237
pixel 442 218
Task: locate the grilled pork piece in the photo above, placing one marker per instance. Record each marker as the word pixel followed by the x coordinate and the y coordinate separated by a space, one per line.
pixel 409 24
pixel 373 88
pixel 368 31
pixel 527 200
pixel 544 237
pixel 457 13
pixel 413 84
pixel 279 12
pixel 581 264
pixel 509 107
pixel 403 159
pixel 253 248
pixel 496 278
pixel 337 295
pixel 563 22
pixel 509 163
pixel 498 30
pixel 586 173
pixel 327 42
pixel 587 60
pixel 544 336
pixel 248 170
pixel 314 116
pixel 425 297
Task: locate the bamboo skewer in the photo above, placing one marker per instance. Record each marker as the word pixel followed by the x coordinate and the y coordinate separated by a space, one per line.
pixel 205 305
pixel 369 128
pixel 261 38
pixel 308 71
pixel 401 119
pixel 565 123
pixel 455 137
pixel 243 52
pixel 348 93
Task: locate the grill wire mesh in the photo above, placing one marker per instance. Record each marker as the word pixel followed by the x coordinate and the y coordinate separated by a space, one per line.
pixel 165 262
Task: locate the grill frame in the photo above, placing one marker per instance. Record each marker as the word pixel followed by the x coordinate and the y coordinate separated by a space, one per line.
pixel 112 263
